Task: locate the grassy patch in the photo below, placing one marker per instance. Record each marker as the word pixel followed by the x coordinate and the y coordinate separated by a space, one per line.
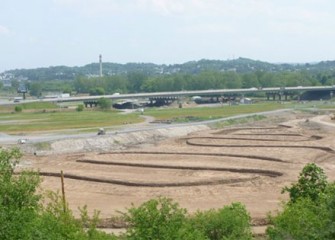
pixel 207 113
pixel 48 117
pixel 29 106
pixel 46 121
pixel 39 105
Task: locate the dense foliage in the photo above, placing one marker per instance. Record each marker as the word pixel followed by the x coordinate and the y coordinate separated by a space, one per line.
pixel 23 216
pixel 310 212
pixel 164 220
pixel 230 222
pixel 105 103
pixel 311 183
pixel 139 82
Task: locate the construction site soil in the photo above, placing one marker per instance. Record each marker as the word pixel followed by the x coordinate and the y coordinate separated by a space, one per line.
pixel 202 168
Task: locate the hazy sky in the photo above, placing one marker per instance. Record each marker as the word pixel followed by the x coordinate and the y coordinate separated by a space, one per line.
pixel 42 33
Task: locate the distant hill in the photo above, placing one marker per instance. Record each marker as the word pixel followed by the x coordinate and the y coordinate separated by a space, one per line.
pixel 240 65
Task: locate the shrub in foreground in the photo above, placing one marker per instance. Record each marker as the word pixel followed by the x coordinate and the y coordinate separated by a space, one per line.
pixel 22 215
pixel 229 222
pixel 163 219
pixel 310 212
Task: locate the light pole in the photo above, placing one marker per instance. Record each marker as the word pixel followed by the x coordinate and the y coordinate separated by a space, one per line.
pixel 331 95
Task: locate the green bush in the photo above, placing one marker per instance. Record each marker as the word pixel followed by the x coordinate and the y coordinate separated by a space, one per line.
pixel 97 91
pixel 18 108
pixel 311 183
pixel 104 103
pixel 22 216
pixel 300 220
pixel 19 202
pixel 229 222
pixel 310 213
pixel 155 219
pixel 164 220
pixel 80 108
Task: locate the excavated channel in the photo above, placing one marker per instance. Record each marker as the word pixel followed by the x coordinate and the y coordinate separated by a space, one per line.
pixel 251 139
pixel 151 184
pixel 192 143
pixel 256 157
pixel 268 173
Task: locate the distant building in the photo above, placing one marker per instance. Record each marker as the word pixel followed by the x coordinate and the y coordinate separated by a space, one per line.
pixel 245 101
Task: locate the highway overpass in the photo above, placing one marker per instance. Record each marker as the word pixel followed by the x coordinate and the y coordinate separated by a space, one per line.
pixel 178 94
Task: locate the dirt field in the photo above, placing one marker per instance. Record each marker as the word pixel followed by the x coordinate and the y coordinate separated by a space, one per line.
pixel 203 170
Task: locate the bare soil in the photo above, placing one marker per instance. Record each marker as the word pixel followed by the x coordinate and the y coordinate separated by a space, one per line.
pixel 202 170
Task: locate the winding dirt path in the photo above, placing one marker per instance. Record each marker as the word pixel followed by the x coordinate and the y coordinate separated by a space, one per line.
pixel 203 170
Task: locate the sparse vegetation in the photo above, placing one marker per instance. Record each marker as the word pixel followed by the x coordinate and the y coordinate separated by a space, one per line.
pixel 39 105
pixel 42 146
pixel 239 121
pixel 209 113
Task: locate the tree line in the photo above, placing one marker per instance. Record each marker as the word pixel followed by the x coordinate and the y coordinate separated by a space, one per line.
pixel 239 65
pixel 136 82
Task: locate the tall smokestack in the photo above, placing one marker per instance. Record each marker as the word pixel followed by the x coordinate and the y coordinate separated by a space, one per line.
pixel 100 61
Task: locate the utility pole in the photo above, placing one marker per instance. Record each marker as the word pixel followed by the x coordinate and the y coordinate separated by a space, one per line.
pixel 63 191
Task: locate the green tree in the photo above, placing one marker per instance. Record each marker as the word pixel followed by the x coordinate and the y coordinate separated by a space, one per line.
pixel 22 216
pixel 250 80
pixel 164 220
pixel 156 219
pixel 19 202
pixel 311 183
pixel 80 108
pixel 310 213
pixel 135 80
pixel 116 84
pixel 67 89
pixel 233 80
pixel 302 220
pixel 35 89
pixel 15 84
pixel 105 104
pixel 149 85
pixel 97 91
pixel 230 222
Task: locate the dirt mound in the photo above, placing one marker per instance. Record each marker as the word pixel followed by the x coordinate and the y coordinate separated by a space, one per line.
pixel 119 141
